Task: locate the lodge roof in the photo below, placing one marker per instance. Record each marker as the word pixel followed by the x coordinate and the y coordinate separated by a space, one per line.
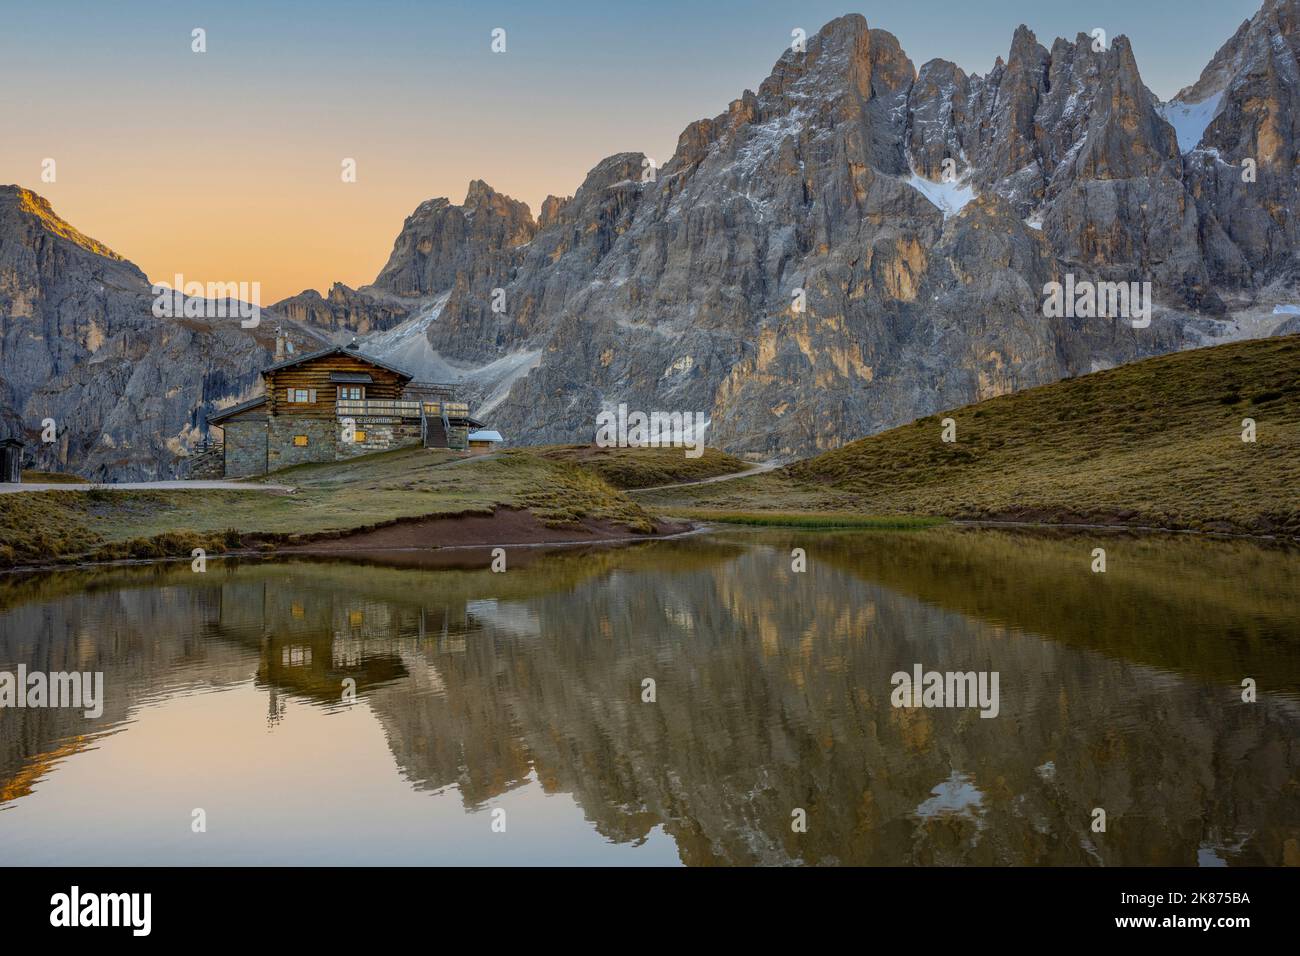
pixel 351 351
pixel 233 410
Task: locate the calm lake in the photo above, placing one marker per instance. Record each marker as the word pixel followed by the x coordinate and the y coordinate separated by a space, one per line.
pixel 227 692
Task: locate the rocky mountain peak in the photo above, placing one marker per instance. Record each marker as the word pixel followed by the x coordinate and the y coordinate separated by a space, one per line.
pixel 1239 131
pixel 1027 54
pixel 550 210
pixel 439 239
pixel 19 205
pixel 850 246
pixel 480 197
pixel 343 310
pixel 1125 136
pixel 1251 47
pixel 844 55
pixel 834 177
pixel 478 193
pixel 127 390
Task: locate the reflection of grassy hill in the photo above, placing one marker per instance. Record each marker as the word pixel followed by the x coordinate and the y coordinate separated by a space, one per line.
pixel 558 571
pixel 1139 610
pixel 363 493
pixel 1156 442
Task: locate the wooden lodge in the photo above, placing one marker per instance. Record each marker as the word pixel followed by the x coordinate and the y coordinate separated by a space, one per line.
pixel 330 405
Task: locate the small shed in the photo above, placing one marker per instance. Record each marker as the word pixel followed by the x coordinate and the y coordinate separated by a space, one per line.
pixel 11 460
pixel 484 440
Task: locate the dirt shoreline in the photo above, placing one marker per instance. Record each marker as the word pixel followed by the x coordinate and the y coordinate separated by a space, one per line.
pixel 519 528
pixel 505 527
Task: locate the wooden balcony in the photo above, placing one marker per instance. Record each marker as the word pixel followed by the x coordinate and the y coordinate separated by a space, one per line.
pixel 376 408
pixel 394 408
pixel 453 409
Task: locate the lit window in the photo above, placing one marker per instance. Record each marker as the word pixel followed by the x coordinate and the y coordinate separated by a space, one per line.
pixel 300 440
pixel 295 656
pixel 358 436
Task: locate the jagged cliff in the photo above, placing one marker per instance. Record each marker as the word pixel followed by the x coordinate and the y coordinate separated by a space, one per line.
pixel 79 344
pixel 857 243
pixel 679 292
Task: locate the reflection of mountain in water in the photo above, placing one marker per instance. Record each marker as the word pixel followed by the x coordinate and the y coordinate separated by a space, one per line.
pixel 773 688
pixel 146 639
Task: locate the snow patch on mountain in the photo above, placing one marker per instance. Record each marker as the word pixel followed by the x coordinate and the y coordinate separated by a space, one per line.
pixel 1254 322
pixel 1190 120
pixel 499 375
pixel 485 386
pixel 406 344
pixel 765 139
pixel 949 198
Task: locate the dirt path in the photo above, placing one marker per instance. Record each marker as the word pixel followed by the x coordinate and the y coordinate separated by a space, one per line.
pixel 747 473
pixel 9 488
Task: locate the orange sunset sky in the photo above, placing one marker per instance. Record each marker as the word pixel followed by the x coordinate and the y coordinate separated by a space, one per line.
pixel 225 166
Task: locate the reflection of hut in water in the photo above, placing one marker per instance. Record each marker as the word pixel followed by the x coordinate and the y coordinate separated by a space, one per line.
pixel 312 642
pixel 312 667
pixel 445 628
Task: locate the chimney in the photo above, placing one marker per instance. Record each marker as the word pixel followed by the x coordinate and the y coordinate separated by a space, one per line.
pixel 279 344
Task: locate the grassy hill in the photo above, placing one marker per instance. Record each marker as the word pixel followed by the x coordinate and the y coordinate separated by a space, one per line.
pixel 646 467
pixel 1155 443
pixel 51 478
pixel 359 494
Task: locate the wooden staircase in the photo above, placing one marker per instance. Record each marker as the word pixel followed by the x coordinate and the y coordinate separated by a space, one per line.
pixel 435 432
pixel 436 418
pixel 208 462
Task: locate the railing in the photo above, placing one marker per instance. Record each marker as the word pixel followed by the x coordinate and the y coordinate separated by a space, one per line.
pixel 207 461
pixel 391 408
pixel 352 407
pixel 445 389
pixel 451 409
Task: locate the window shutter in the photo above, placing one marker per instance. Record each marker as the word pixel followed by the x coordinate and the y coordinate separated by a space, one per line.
pixel 311 395
pixel 288 395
